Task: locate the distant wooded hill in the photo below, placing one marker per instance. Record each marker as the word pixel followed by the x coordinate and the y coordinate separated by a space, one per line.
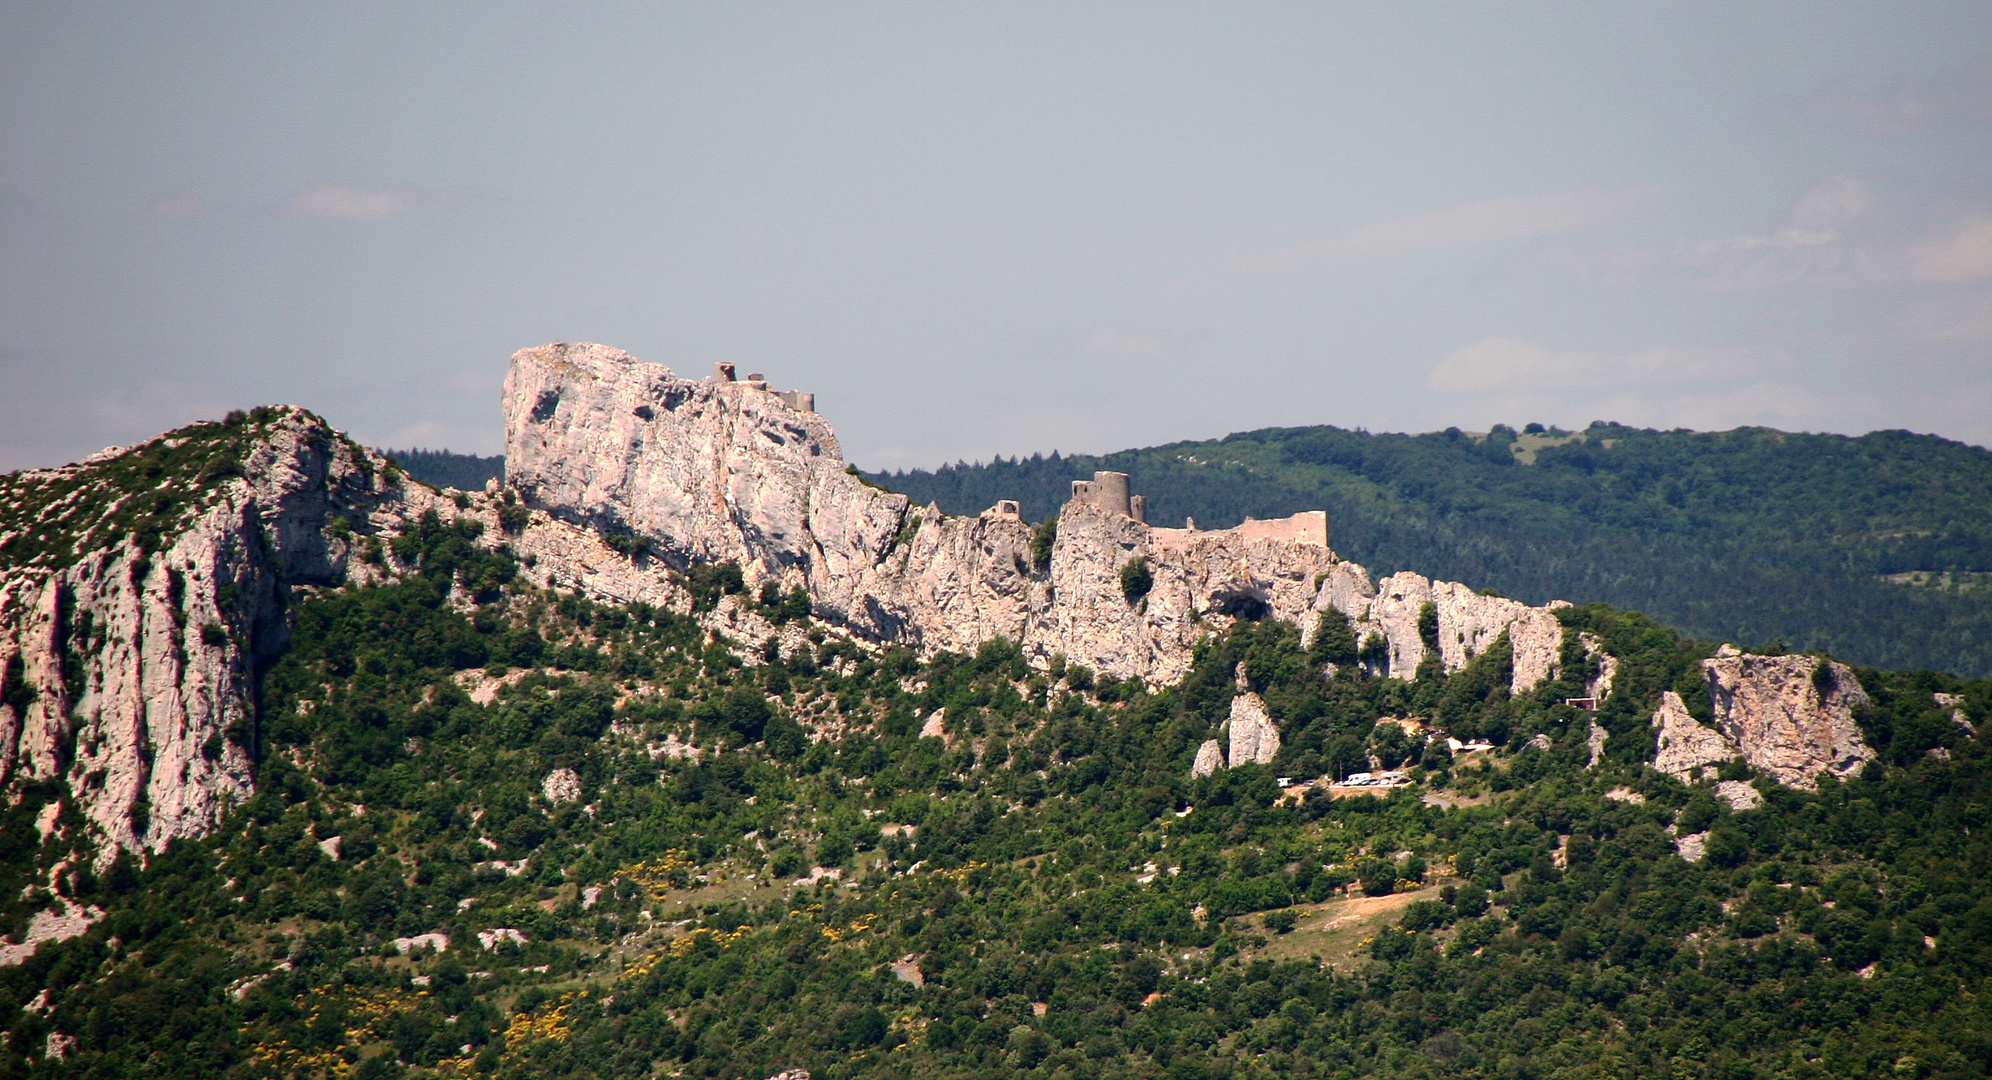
pixel 1877 548
pixel 441 468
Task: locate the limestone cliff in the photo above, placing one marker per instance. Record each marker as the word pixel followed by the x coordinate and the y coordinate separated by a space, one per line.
pixel 1684 746
pixel 1254 739
pixel 1792 716
pixel 720 468
pixel 1200 582
pixel 703 471
pixel 142 589
pixel 1468 623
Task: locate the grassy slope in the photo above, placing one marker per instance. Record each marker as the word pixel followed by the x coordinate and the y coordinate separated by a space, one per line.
pixel 1755 536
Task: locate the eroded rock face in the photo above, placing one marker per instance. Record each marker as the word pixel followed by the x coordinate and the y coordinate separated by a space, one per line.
pixel 1254 739
pixel 1210 758
pixel 137 662
pixel 132 669
pixel 704 470
pixel 1685 744
pixel 1202 583
pixel 718 469
pixel 1468 624
pixel 1791 716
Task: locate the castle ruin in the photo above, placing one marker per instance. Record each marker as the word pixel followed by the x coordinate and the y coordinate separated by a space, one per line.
pixel 794 399
pixel 1108 492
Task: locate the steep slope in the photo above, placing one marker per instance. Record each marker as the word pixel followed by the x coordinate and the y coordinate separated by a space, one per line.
pixel 498 792
pixel 625 852
pixel 144 591
pixel 725 469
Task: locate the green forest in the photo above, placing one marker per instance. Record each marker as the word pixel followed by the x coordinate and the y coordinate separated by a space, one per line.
pixel 1042 891
pixel 444 469
pixel 1876 548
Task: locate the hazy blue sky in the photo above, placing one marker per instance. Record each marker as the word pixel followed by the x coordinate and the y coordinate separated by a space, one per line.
pixel 997 228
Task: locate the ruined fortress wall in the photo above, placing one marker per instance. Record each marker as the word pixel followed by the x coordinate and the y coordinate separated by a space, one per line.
pixel 1306 527
pixel 1106 492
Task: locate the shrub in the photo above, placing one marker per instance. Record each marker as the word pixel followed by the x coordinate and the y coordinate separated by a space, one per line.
pixel 1043 536
pixel 1334 639
pixel 1136 579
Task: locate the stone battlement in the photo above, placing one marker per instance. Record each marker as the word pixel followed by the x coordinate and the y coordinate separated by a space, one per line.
pixel 1307 527
pixel 1108 492
pixel 794 399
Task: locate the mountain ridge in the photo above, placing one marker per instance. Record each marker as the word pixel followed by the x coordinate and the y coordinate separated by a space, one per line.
pixel 582 777
pixel 1776 536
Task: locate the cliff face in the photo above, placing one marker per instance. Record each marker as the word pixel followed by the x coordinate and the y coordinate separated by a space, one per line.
pixel 136 650
pixel 1199 582
pixel 1791 716
pixel 1468 623
pixel 719 468
pixel 141 590
pixel 704 471
pixel 726 469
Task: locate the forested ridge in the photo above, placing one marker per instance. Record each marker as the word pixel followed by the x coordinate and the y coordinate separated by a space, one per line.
pixel 1042 891
pixel 1876 548
pixel 445 469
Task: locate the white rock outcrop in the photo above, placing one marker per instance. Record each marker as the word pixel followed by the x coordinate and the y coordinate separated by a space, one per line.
pixel 1254 739
pixel 1468 623
pixel 1210 758
pixel 1684 743
pixel 722 469
pixel 1791 716
pixel 1739 795
pixel 719 468
pixel 130 667
pixel 562 785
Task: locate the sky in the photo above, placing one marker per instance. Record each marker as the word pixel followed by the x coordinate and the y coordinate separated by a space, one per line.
pixel 981 229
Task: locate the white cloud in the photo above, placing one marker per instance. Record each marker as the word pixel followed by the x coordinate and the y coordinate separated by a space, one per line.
pixel 1470 224
pixel 1963 253
pixel 1501 363
pixel 332 202
pixel 1815 248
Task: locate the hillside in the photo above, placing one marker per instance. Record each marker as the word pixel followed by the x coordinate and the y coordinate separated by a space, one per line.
pixel 690 754
pixel 482 845
pixel 1877 548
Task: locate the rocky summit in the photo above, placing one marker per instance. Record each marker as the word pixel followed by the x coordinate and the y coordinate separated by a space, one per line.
pixel 724 468
pixel 131 654
pixel 686 751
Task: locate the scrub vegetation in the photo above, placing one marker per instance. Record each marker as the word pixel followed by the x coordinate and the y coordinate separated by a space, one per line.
pixel 1039 891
